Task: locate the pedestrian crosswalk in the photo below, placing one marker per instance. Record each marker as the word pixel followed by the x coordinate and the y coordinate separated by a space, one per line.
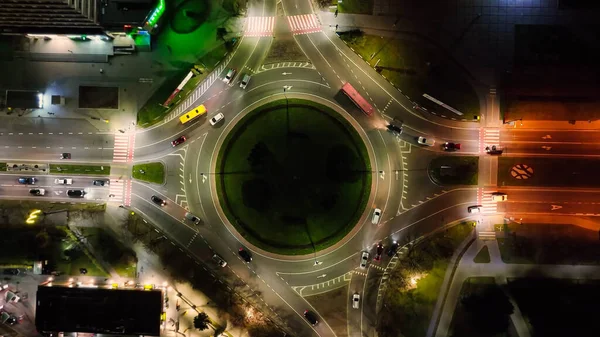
pixel 491 136
pixel 116 191
pixel 484 198
pixel 123 148
pixel 304 24
pixel 260 26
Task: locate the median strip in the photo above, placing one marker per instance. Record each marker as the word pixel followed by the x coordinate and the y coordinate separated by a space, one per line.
pixel 96 170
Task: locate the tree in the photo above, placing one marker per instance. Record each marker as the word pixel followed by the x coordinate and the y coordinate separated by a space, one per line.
pixel 201 321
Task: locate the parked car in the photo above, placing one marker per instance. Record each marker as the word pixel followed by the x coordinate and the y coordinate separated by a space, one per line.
pixel 379 251
pixel 376 216
pixel 27 180
pixel 63 181
pixel 499 196
pixel 37 191
pixel 474 209
pixel 246 256
pixel 245 81
pixel 178 141
pixel 101 182
pixel 448 146
pixel 216 119
pixel 65 156
pixel 396 130
pixel 393 248
pixel 425 141
pixel 229 76
pixel 219 260
pixel 356 300
pixel 191 217
pixel 311 317
pixel 158 201
pixel 76 193
pixel 364 259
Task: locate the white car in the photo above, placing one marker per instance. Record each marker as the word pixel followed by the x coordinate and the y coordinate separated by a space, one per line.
pixel 499 196
pixel 230 75
pixel 245 81
pixel 217 118
pixel 63 181
pixel 364 259
pixel 356 301
pixel 474 209
pixel 425 141
pixel 376 216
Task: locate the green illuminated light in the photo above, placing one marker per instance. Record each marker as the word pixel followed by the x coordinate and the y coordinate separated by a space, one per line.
pixel 158 12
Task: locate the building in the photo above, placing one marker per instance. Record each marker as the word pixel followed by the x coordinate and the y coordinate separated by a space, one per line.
pixel 94 310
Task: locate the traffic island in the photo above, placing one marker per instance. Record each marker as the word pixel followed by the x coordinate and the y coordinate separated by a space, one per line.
pixel 293 177
pixel 149 172
pixel 454 170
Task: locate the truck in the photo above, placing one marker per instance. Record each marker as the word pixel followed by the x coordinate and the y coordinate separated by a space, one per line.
pixel 63 181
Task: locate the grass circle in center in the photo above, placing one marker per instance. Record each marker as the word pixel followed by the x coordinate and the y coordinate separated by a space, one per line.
pixel 293 178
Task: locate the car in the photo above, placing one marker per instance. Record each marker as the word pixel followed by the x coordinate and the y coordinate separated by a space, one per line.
pixel 65 156
pixel 246 256
pixel 499 196
pixel 494 150
pixel 364 259
pixel 216 119
pixel 379 251
pixel 448 146
pixel 191 217
pixel 219 260
pixel 101 182
pixel 376 216
pixel 12 320
pixel 311 317
pixel 158 201
pixel 245 81
pixel 356 300
pixel 425 141
pixel 396 130
pixel 178 141
pixel 11 271
pixel 63 181
pixel 393 248
pixel 474 209
pixel 27 180
pixel 37 191
pixel 229 76
pixel 76 193
pixel 82 271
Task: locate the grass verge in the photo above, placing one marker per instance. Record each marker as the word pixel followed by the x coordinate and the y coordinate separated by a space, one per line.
pixel 418 68
pixel 93 170
pixel 2 167
pixel 111 250
pixel 152 172
pixel 153 111
pixel 454 170
pixel 333 306
pixel 549 244
pixel 353 6
pixel 299 225
pixel 483 256
pixel 408 307
pixel 572 172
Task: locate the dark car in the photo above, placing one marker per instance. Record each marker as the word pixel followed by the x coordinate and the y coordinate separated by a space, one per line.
pixel 379 251
pixel 27 180
pixel 395 129
pixel 246 256
pixel 393 248
pixel 37 191
pixel 12 320
pixel 82 271
pixel 11 271
pixel 65 156
pixel 76 193
pixel 100 182
pixel 158 201
pixel 178 141
pixel 311 317
pixel 448 146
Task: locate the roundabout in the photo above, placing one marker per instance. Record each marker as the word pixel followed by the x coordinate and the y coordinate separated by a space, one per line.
pixel 293 177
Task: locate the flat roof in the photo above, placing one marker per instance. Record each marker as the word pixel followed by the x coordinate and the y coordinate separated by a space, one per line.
pixel 93 310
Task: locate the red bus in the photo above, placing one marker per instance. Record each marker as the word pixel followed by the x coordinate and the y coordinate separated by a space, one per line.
pixel 360 102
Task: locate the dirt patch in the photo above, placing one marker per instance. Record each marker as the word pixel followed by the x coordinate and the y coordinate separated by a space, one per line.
pixel 285 50
pixel 332 307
